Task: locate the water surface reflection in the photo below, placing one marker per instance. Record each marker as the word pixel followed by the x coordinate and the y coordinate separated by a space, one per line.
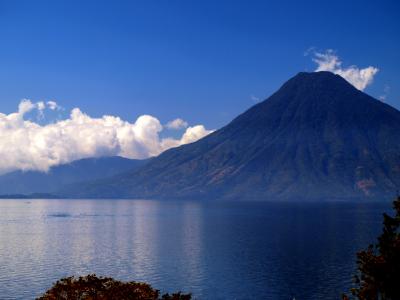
pixel 215 250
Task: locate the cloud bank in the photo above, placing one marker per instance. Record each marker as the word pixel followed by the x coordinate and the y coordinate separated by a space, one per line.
pixel 27 145
pixel 329 61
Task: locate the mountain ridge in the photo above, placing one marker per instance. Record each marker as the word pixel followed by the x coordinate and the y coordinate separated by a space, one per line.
pixel 316 137
pixel 87 169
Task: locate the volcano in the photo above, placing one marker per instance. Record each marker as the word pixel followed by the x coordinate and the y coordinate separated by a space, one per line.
pixel 317 137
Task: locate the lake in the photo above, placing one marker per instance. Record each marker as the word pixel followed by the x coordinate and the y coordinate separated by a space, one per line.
pixel 215 250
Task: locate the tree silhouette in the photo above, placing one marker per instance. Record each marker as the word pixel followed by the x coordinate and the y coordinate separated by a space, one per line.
pixel 379 265
pixel 91 287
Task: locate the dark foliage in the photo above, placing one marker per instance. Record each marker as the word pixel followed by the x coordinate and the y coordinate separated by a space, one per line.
pixel 379 266
pixel 92 287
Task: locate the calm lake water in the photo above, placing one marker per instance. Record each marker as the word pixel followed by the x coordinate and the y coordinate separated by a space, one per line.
pixel 216 250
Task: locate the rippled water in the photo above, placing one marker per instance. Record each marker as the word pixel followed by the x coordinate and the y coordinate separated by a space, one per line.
pixel 214 250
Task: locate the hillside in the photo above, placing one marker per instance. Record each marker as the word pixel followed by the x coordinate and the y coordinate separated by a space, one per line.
pixel 87 169
pixel 316 137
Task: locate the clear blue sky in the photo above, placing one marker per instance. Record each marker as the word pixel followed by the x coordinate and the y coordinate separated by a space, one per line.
pixel 198 60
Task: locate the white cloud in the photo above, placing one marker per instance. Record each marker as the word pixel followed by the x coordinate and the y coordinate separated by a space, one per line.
pixel 177 124
pixel 53 105
pixel 40 105
pixel 25 106
pixel 26 145
pixel 191 135
pixel 329 61
pixel 194 133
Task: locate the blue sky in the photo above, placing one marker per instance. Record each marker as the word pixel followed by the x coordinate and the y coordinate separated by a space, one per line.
pixel 202 61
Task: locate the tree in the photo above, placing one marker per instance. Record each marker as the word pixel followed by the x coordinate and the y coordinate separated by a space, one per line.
pixel 378 275
pixel 91 287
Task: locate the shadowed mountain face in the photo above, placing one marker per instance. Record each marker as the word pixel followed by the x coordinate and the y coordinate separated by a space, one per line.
pixel 29 182
pixel 316 137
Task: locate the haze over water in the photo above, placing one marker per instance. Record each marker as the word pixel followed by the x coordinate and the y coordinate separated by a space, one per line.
pixel 216 250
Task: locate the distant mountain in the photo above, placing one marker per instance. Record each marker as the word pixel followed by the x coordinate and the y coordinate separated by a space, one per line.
pixel 316 137
pixel 88 169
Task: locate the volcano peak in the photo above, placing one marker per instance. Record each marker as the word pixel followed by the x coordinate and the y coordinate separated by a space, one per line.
pixel 317 137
